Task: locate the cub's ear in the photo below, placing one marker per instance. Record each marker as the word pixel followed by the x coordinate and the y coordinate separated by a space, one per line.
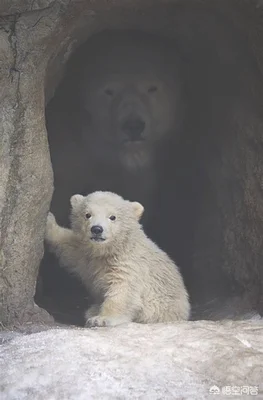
pixel 138 209
pixel 76 200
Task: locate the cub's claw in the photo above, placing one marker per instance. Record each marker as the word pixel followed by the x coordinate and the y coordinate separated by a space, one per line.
pixel 104 321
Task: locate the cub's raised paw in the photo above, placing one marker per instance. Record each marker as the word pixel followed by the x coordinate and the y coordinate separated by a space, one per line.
pixel 50 224
pixel 51 218
pixel 104 321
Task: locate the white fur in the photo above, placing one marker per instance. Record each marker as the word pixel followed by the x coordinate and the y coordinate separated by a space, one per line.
pixel 129 277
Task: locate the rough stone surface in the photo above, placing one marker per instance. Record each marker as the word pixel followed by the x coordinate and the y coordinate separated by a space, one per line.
pixel 26 174
pixel 36 40
pixel 133 362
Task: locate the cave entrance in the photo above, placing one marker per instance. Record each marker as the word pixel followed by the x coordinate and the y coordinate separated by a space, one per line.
pixel 201 207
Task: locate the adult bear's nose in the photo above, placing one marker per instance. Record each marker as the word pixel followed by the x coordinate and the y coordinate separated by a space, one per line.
pixel 96 229
pixel 133 128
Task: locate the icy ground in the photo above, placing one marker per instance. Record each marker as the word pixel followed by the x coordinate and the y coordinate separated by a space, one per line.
pixel 177 361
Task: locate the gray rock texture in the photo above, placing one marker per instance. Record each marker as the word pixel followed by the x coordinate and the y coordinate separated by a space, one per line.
pixel 36 40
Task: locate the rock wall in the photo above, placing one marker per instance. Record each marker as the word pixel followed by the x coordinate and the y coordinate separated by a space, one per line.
pixel 36 40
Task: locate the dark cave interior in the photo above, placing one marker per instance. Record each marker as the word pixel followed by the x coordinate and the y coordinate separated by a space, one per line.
pixel 199 210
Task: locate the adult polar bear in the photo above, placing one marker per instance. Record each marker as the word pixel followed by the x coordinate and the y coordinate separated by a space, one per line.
pixel 117 110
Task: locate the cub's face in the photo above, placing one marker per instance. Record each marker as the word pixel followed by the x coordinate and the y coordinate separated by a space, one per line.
pixel 104 218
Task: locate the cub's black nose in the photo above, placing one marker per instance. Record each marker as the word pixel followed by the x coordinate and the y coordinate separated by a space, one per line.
pixel 96 229
pixel 133 128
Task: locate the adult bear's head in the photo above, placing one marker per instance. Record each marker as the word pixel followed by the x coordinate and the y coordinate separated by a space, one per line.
pixel 129 88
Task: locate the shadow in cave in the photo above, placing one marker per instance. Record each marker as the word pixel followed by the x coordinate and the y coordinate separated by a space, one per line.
pixel 197 170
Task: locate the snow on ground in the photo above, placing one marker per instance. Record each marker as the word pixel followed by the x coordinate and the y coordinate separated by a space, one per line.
pixel 177 361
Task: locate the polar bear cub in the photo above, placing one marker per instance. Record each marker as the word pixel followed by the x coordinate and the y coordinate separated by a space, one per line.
pixel 128 276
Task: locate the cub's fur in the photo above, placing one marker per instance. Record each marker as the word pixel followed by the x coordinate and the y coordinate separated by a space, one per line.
pixel 128 276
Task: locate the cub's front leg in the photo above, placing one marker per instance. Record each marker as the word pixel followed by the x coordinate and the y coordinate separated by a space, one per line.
pixel 114 311
pixel 92 311
pixel 62 242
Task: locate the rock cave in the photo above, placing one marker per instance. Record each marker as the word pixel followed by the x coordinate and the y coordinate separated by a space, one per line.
pixel 192 216
pixel 207 212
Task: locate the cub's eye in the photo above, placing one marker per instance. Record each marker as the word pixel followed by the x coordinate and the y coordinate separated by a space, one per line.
pixel 152 89
pixel 109 92
pixel 88 215
pixel 112 217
